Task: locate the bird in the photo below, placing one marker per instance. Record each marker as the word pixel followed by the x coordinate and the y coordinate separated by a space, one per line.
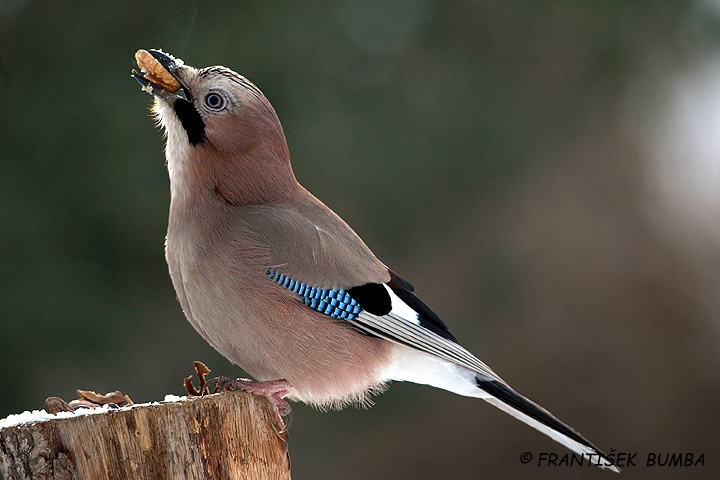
pixel 277 282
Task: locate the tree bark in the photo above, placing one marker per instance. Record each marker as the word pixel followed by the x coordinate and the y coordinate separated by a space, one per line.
pixel 231 435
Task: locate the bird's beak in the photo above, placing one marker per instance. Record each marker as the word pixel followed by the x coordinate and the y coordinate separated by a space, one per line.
pixel 159 75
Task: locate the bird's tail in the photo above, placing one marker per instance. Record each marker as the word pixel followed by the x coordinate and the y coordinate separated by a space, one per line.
pixel 511 402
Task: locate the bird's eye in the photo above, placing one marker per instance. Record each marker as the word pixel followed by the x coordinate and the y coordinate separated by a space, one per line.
pixel 215 101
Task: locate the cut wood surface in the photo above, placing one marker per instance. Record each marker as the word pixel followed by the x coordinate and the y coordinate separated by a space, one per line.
pixel 230 435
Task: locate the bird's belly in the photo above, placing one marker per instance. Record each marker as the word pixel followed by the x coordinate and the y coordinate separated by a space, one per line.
pixel 261 327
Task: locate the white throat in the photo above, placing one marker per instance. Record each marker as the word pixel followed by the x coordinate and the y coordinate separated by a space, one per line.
pixel 177 147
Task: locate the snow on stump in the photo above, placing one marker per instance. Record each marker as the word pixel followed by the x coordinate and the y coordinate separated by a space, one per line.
pixel 229 435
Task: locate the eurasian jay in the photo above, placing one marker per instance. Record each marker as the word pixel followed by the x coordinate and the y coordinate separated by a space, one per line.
pixel 277 282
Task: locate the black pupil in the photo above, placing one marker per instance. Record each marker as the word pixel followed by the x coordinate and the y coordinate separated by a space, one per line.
pixel 214 100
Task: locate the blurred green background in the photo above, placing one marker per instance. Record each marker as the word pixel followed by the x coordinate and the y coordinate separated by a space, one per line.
pixel 546 173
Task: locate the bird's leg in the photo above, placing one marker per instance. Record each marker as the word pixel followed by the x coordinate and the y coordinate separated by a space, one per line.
pixel 273 390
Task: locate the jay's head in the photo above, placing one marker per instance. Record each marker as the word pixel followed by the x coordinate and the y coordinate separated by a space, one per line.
pixel 222 132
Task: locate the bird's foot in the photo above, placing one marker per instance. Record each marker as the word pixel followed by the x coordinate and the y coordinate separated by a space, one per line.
pixel 273 390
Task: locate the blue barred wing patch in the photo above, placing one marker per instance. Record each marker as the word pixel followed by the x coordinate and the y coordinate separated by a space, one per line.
pixel 334 303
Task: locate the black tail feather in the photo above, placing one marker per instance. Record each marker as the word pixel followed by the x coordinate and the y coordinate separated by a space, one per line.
pixel 510 397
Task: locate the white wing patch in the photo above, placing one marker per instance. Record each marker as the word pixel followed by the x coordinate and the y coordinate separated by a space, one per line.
pixel 401 309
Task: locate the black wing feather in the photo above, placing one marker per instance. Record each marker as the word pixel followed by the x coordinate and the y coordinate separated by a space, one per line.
pixel 428 319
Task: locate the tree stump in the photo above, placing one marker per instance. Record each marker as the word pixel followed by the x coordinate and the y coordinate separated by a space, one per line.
pixel 230 435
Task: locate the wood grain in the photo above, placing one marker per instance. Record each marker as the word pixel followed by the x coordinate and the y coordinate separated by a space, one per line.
pixel 231 435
